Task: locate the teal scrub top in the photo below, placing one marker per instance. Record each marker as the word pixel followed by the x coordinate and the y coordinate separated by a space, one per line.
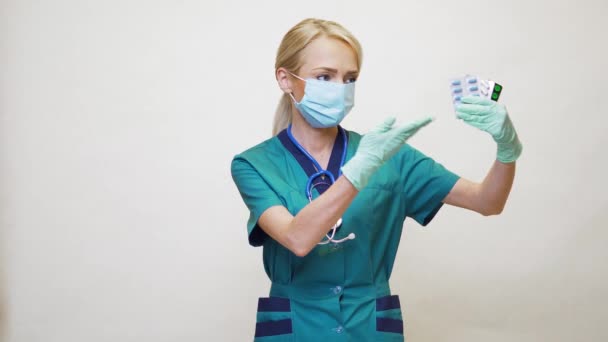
pixel 337 292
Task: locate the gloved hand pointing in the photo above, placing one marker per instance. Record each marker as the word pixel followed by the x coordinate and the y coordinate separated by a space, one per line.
pixel 493 118
pixel 376 147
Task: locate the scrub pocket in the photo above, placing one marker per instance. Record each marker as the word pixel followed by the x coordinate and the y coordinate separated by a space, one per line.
pixel 274 320
pixel 389 319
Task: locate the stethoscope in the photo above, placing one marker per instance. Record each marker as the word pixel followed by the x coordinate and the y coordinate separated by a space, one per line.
pixel 310 184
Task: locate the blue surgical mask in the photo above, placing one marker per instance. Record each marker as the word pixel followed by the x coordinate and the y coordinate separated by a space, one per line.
pixel 325 104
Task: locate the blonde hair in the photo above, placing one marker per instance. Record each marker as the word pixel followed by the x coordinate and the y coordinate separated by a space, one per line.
pixel 289 57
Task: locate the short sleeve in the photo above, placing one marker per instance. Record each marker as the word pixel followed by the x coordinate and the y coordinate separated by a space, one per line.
pixel 257 195
pixel 427 183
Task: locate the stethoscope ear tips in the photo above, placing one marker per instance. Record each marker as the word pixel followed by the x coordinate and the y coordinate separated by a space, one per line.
pixel 330 238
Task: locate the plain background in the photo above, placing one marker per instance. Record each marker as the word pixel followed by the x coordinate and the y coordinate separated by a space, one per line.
pixel 119 119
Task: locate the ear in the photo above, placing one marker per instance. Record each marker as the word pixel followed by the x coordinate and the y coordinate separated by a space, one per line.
pixel 284 80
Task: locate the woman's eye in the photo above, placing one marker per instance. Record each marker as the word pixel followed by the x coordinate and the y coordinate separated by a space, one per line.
pixel 323 77
pixel 351 80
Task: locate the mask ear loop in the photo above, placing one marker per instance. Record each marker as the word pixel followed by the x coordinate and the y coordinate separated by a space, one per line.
pixel 298 77
pixel 293 98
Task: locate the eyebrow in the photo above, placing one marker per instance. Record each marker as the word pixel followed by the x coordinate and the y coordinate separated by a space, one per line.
pixel 335 71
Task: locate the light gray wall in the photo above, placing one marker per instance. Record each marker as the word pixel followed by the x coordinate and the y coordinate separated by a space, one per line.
pixel 119 119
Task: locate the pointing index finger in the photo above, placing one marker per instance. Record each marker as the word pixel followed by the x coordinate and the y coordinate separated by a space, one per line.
pixel 415 125
pixel 412 127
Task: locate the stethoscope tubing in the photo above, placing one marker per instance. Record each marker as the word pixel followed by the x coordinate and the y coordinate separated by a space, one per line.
pixel 321 172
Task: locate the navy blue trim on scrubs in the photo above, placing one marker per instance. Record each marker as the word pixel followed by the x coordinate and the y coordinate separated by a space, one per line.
pixel 257 236
pixel 389 325
pixel 334 160
pixel 273 328
pixel 274 304
pixel 388 303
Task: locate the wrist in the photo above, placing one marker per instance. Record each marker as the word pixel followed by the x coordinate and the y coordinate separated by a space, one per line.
pixel 358 171
pixel 509 152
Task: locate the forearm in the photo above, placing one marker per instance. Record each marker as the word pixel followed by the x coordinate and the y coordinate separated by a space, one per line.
pixel 311 224
pixel 495 188
pixel 490 196
pixel 302 232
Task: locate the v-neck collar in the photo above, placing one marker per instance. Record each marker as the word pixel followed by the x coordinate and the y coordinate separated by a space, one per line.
pixel 307 165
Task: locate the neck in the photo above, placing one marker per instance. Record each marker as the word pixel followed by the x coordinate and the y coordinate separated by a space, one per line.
pixel 317 141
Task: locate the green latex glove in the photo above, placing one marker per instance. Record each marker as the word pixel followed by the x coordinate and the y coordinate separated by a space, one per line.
pixel 493 118
pixel 376 147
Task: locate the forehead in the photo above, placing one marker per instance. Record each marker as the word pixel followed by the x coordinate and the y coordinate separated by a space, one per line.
pixel 330 53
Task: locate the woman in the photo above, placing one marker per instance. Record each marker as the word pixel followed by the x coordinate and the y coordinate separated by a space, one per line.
pixel 329 205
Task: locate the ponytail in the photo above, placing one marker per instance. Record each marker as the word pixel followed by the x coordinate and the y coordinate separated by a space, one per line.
pixel 282 117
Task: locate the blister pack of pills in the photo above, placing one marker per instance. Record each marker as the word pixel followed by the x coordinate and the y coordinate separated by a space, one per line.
pixel 471 85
